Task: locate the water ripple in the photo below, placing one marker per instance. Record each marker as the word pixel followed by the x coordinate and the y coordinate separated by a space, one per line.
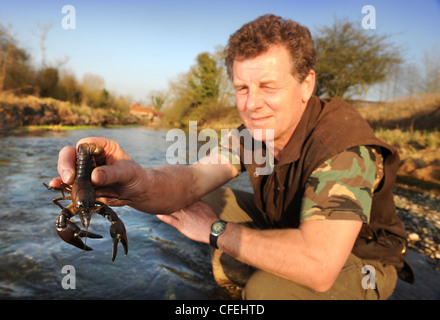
pixel 161 263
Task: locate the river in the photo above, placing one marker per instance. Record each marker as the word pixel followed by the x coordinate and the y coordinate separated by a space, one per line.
pixel 161 263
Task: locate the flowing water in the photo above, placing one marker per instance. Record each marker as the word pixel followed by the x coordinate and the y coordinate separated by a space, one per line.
pixel 161 263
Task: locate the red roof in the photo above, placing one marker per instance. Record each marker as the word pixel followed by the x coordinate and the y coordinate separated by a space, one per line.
pixel 137 109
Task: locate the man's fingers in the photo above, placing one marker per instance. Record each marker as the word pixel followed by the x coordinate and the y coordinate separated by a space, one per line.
pixel 66 164
pixel 122 172
pixel 108 175
pixel 56 182
pixel 169 219
pixel 112 152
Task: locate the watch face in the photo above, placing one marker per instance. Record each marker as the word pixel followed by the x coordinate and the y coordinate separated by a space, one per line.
pixel 218 227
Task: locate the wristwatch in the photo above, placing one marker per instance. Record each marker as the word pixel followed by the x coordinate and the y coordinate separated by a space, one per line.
pixel 217 229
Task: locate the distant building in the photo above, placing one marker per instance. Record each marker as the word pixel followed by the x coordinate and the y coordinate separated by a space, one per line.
pixel 147 113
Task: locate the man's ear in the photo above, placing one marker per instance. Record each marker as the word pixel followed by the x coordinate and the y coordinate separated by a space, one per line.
pixel 308 86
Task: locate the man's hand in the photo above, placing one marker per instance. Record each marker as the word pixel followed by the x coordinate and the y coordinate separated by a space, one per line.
pixel 194 221
pixel 117 174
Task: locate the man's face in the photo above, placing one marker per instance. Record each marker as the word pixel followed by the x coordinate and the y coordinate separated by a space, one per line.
pixel 268 95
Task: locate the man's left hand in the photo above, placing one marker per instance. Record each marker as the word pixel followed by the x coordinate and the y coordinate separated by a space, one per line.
pixel 193 221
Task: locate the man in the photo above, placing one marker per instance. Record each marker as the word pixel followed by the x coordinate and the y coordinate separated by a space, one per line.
pixel 323 214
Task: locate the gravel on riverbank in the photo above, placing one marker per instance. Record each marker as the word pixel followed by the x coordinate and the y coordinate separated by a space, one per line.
pixel 421 214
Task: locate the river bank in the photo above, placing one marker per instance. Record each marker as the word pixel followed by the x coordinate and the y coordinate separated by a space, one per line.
pixel 18 112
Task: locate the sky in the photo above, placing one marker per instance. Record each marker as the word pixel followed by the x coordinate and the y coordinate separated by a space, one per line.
pixel 139 46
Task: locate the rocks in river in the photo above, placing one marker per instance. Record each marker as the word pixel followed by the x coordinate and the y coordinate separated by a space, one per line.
pixel 414 237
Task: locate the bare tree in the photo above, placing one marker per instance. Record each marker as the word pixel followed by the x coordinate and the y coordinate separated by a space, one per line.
pixel 431 66
pixel 44 30
pixel 350 59
pixel 42 35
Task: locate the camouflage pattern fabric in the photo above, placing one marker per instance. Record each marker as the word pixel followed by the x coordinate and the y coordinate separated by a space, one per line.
pixel 342 187
pixel 229 148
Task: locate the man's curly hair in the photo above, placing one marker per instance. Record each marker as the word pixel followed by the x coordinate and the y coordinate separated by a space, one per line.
pixel 258 36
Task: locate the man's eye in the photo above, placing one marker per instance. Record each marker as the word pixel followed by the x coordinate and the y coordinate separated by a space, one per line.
pixel 269 88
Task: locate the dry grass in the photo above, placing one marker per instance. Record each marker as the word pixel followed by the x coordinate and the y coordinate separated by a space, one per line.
pixel 420 112
pixel 29 100
pixel 410 140
pixel 16 111
pixel 412 125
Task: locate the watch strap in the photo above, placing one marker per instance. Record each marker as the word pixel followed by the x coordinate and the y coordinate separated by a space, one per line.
pixel 213 241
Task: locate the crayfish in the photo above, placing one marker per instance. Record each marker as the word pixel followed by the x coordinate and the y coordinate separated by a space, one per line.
pixel 84 204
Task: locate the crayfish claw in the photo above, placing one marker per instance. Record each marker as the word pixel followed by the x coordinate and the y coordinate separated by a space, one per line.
pixel 89 234
pixel 118 234
pixel 72 235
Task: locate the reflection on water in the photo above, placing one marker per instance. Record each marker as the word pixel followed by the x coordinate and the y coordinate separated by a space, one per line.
pixel 161 263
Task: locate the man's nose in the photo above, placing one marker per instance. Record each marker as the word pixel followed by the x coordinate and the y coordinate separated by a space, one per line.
pixel 254 100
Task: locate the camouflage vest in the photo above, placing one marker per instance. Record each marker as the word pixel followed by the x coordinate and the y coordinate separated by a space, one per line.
pixel 328 127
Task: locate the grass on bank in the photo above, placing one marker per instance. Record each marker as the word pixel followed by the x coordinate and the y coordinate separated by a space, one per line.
pixel 420 111
pixel 52 114
pixel 411 124
pixel 410 140
pixel 57 128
